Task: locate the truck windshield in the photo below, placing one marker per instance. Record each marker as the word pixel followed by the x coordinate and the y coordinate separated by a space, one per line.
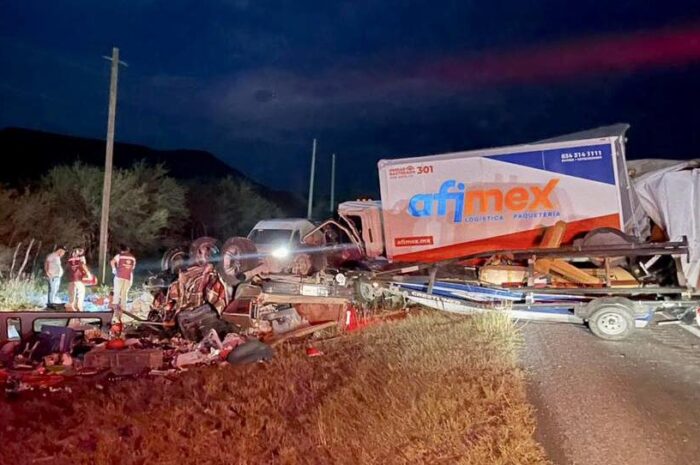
pixel 270 236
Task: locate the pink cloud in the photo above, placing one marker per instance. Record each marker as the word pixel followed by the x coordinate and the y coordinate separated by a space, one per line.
pixel 573 59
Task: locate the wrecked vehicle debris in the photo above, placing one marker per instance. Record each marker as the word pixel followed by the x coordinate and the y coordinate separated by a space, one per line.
pixel 197 319
pixel 124 362
pixel 250 352
pixel 236 303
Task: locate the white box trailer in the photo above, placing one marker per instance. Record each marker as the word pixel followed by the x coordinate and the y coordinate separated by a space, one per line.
pixel 456 204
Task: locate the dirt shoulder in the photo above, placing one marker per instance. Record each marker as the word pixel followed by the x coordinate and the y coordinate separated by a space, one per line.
pixel 600 402
pixel 429 389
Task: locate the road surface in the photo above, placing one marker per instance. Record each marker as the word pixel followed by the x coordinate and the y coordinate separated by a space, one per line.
pixel 630 402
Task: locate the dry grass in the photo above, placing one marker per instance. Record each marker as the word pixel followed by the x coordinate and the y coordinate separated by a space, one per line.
pixel 26 293
pixel 429 389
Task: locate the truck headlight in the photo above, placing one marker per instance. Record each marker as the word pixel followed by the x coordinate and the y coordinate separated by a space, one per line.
pixel 281 252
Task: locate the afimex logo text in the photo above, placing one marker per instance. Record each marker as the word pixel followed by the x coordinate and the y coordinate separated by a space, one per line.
pixel 493 200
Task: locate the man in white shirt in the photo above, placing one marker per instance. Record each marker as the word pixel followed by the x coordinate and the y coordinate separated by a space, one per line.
pixel 54 272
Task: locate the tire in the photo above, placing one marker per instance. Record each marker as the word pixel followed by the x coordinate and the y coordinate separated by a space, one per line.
pixel 612 322
pixel 607 237
pixel 204 250
pixel 174 259
pixel 238 255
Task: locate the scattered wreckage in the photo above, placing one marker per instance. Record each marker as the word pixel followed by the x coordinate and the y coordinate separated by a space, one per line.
pixel 196 319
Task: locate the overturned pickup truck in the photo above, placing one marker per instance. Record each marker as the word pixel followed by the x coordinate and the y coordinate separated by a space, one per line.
pixel 266 305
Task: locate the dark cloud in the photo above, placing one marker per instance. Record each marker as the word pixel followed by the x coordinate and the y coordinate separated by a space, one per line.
pixel 255 81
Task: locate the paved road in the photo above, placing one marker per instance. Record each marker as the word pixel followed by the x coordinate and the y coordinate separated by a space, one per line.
pixel 598 402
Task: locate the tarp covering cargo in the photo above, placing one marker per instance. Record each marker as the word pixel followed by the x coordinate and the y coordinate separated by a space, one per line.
pixel 454 204
pixel 669 192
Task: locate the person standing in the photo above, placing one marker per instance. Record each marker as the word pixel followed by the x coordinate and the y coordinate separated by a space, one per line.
pixel 54 272
pixel 77 272
pixel 123 265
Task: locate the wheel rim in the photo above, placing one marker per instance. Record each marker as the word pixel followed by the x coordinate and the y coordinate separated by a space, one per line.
pixel 205 253
pixel 612 323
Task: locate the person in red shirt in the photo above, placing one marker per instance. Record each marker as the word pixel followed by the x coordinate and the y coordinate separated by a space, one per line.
pixel 123 265
pixel 77 271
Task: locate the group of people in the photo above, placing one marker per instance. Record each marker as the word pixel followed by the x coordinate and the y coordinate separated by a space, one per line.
pixel 79 276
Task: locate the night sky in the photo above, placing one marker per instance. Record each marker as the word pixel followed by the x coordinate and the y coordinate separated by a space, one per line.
pixel 255 81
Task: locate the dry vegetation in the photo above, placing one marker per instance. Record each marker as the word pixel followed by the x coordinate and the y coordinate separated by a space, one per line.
pixel 22 293
pixel 429 389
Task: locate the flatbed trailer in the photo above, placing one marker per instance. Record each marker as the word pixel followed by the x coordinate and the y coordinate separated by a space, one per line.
pixel 611 317
pixel 611 313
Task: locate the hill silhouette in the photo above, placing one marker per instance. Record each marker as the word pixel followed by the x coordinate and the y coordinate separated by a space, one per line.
pixel 34 153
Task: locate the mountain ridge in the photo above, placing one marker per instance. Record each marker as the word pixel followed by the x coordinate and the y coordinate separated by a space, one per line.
pixel 35 152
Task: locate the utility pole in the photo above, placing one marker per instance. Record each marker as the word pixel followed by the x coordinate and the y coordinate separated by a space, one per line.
pixel 107 186
pixel 332 207
pixel 311 182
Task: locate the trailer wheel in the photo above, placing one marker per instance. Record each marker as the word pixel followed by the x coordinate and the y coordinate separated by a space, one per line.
pixel 611 322
pixel 237 256
pixel 204 250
